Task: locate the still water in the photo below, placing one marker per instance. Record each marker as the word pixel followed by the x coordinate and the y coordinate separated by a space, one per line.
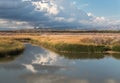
pixel 38 65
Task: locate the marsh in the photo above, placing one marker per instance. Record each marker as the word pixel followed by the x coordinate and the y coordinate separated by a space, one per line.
pixel 38 65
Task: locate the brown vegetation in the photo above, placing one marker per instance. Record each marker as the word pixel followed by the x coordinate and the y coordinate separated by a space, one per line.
pixel 9 47
pixel 71 42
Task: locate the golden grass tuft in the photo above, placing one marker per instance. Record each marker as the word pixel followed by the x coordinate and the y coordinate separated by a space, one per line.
pixel 9 46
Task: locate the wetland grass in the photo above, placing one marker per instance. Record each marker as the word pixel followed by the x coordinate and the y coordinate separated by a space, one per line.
pixel 74 48
pixel 83 43
pixel 10 47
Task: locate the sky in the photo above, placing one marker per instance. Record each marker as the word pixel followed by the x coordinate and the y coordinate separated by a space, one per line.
pixel 107 8
pixel 60 14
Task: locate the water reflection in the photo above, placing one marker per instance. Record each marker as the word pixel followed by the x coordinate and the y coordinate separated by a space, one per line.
pixel 6 59
pixel 37 55
pixel 84 56
pixel 37 65
pixel 46 78
pixel 116 56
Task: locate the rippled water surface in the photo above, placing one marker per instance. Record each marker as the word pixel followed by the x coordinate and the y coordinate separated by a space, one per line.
pixel 38 65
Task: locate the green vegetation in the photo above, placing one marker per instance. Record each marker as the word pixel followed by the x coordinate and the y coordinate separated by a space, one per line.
pixel 23 39
pixel 10 47
pixel 7 59
pixel 86 45
pixel 83 55
pixel 116 48
pixel 116 56
pixel 79 43
pixel 82 45
pixel 74 48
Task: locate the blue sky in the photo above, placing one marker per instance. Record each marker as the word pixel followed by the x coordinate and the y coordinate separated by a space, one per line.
pixel 107 8
pixel 75 14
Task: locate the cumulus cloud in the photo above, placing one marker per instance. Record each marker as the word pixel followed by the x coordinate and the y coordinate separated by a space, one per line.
pixel 49 7
pixel 10 24
pixel 101 23
pixel 50 13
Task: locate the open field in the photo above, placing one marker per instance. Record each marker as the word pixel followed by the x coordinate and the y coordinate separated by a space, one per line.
pixel 63 42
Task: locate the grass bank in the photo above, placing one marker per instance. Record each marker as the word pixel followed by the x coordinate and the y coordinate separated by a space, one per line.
pixel 82 43
pixel 74 48
pixel 10 47
pixel 74 44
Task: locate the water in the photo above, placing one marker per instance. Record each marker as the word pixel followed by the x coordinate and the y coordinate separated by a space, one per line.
pixel 37 65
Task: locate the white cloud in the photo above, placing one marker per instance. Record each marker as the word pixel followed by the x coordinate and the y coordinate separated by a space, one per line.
pixel 4 23
pixel 50 7
pixel 101 22
pixel 49 13
pixel 60 19
pixel 90 14
pixel 100 19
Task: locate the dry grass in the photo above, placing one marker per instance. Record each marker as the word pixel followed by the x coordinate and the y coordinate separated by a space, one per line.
pixel 8 46
pixel 96 39
pixel 86 39
pixel 80 39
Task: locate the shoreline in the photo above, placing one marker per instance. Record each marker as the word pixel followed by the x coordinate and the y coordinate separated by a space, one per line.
pixel 9 47
pixel 85 43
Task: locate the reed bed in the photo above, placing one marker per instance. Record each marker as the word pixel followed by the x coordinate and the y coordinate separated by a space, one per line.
pixel 83 43
pixel 10 47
